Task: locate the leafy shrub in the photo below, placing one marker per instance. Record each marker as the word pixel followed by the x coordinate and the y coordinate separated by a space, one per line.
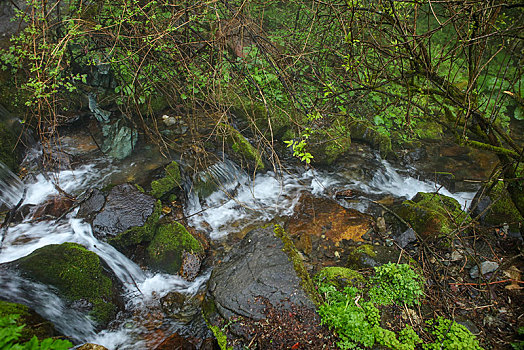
pixel 357 322
pixel 451 336
pixel 10 333
pixel 396 283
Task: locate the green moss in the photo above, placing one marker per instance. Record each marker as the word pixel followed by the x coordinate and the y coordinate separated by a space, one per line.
pixel 138 234
pixel 365 132
pixel 355 256
pixel 503 209
pixel 294 256
pixel 76 272
pixel 239 144
pixel 428 130
pixel 327 145
pixel 220 337
pixel 339 276
pixel 169 182
pixel 166 248
pixel 7 147
pixel 433 215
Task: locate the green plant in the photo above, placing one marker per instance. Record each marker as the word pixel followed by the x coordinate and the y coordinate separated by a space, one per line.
pixel 450 336
pixel 396 283
pixel 357 321
pixel 10 333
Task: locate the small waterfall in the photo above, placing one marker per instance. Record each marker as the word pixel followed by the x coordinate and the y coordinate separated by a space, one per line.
pixel 11 187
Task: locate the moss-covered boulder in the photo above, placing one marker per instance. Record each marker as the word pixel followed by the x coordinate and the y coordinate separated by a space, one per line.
pixel 35 325
pixel 503 210
pixel 327 145
pixel 166 252
pixel 8 153
pixel 433 215
pixel 340 276
pixel 240 145
pixel 78 274
pixel 169 182
pixel 365 132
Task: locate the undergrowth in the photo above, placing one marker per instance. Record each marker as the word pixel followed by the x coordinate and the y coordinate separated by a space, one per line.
pixel 10 332
pixel 354 313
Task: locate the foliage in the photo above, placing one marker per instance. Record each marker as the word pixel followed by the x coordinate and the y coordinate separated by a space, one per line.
pixel 396 283
pixel 355 315
pixel 357 322
pixel 10 333
pixel 450 335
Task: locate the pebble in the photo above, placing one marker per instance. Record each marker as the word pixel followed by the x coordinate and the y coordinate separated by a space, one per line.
pixel 485 267
pixel 406 237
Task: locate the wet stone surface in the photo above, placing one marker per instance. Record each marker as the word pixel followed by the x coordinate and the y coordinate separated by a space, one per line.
pixel 125 207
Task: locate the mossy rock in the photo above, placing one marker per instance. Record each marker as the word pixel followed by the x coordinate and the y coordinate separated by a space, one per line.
pixel 77 274
pixel 35 325
pixel 365 132
pixel 503 210
pixel 340 276
pixel 239 144
pixel 366 256
pixel 433 215
pixel 428 130
pixel 327 145
pixel 169 182
pixel 8 152
pixel 165 252
pixel 138 234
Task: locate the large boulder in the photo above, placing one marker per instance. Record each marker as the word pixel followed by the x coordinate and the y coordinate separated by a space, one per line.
pixel 125 207
pixel 78 275
pixel 433 215
pixel 260 288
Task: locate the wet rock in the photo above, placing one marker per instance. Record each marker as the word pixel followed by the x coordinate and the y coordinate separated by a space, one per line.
pixel 406 238
pixel 91 346
pixel 365 132
pixel 485 268
pixel 166 250
pixel 503 209
pixel 323 216
pixel 35 325
pixel 256 267
pixel 79 276
pixel 180 307
pixel 432 215
pixel 92 205
pixel 54 207
pixel 241 146
pixel 125 207
pixel 176 341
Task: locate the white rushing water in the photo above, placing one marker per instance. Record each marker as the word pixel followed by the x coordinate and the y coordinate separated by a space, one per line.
pixel 243 200
pixel 236 201
pixel 139 287
pixel 11 187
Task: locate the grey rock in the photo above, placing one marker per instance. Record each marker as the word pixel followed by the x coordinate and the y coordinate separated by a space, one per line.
pixel 92 205
pixel 256 267
pixel 125 207
pixel 406 237
pixel 485 268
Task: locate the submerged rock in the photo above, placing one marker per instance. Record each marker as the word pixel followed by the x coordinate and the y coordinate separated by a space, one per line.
pixel 124 208
pixel 35 325
pixel 433 215
pixel 325 217
pixel 79 276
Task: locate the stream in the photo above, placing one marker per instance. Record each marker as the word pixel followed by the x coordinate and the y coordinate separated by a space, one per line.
pixel 240 202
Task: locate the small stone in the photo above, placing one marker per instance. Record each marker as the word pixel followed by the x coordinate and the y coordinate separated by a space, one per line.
pixel 389 242
pixel 485 268
pixel 456 256
pixel 381 225
pixel 406 237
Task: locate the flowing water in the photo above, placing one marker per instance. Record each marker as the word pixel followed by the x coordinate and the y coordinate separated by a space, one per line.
pixel 237 202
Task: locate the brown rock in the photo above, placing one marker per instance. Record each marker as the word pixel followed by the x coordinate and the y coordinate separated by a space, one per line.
pixel 176 342
pixel 90 346
pixel 323 216
pixel 54 207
